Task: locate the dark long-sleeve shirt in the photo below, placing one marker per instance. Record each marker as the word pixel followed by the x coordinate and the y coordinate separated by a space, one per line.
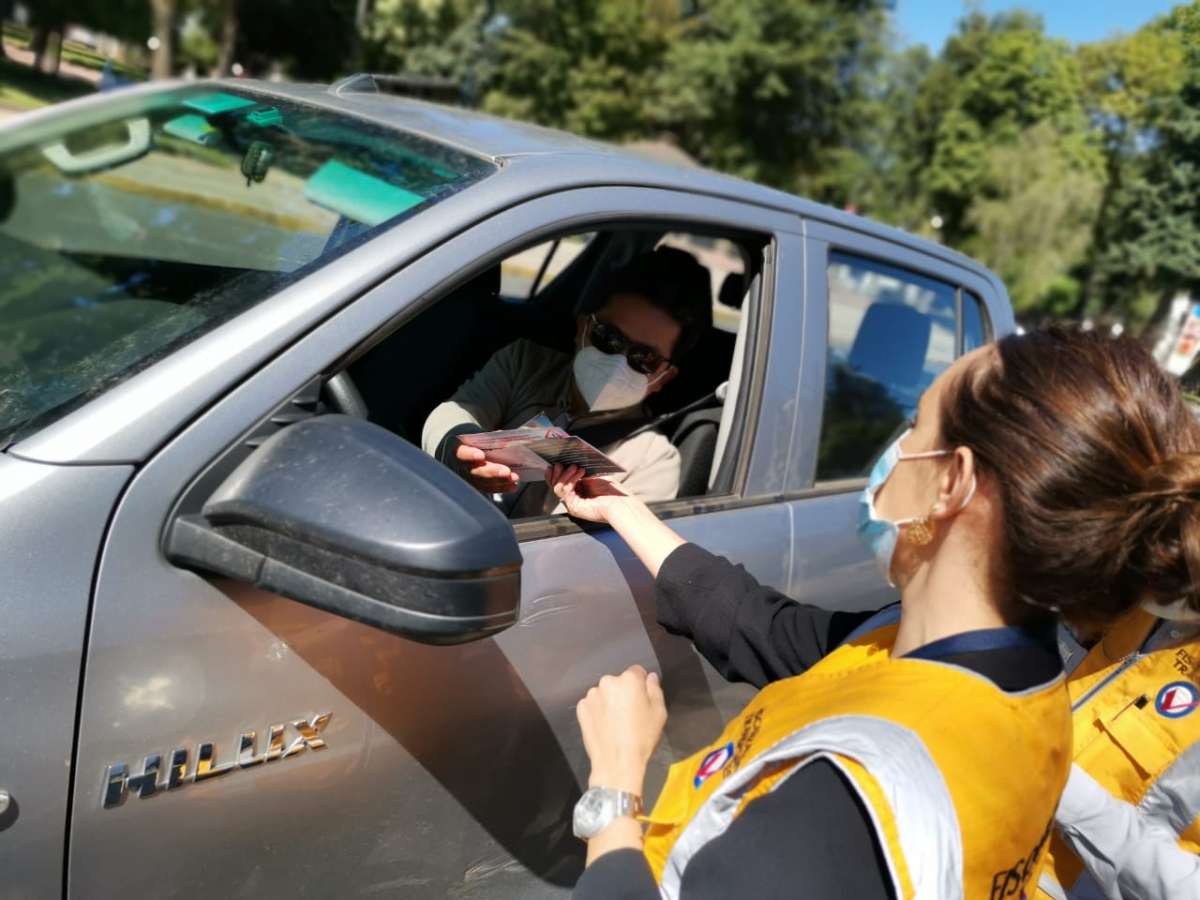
pixel 811 837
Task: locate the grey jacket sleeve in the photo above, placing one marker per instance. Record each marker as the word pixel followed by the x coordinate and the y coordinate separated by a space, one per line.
pixel 651 465
pixel 480 402
pixel 1127 856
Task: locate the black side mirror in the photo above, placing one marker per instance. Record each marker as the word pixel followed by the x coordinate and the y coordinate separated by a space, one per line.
pixel 345 516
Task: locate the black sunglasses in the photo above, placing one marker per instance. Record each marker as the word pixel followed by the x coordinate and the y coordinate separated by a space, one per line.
pixel 610 340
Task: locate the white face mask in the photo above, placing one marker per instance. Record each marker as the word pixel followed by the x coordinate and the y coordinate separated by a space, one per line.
pixel 606 381
pixel 1176 612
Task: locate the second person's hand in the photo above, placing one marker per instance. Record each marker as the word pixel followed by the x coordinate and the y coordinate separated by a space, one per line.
pixel 590 499
pixel 599 500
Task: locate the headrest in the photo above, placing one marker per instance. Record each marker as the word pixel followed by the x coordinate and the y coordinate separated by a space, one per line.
pixel 733 290
pixel 891 344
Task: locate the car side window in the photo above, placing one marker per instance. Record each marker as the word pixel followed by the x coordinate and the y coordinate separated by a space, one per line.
pixel 976 330
pixel 891 333
pixel 527 274
pixel 482 360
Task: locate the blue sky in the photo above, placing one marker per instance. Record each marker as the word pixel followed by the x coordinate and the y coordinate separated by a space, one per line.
pixel 931 21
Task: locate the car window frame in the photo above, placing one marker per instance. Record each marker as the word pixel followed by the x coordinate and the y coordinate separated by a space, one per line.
pixel 540 286
pixel 729 490
pixel 733 472
pixel 966 276
pixel 237 417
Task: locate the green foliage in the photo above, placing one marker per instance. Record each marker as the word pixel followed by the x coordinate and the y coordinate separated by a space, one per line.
pixel 1127 80
pixel 770 90
pixel 1152 229
pixel 584 66
pixel 1034 223
pixel 1073 171
pixel 196 46
pixel 310 39
pixel 995 78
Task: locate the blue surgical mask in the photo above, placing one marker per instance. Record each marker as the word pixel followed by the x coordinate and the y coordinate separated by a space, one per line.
pixel 879 535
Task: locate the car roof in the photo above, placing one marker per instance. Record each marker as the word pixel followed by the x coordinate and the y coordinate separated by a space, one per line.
pixel 499 139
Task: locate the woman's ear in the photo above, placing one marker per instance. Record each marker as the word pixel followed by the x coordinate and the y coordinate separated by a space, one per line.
pixel 955 485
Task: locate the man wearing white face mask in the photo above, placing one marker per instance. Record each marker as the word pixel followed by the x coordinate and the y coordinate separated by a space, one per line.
pixel 654 311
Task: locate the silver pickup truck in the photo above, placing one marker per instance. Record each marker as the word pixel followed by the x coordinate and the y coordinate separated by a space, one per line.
pixel 253 642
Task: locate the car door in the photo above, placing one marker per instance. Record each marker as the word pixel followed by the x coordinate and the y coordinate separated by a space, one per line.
pixel 401 768
pixel 53 520
pixel 890 318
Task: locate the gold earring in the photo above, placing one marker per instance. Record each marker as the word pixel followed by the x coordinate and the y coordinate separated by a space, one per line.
pixel 919 531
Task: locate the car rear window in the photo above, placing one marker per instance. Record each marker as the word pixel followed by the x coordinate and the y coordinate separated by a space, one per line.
pixel 133 227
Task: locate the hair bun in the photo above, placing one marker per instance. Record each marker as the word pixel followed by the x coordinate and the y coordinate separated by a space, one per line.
pixel 1165 536
pixel 1102 512
pixel 1177 477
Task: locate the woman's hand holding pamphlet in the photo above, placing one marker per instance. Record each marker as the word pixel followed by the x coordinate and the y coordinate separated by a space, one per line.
pixel 531 449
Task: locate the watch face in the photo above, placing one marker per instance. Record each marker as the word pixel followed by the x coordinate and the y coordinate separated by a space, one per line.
pixel 591 812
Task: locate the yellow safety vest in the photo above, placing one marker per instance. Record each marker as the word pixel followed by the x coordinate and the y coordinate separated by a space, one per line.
pixel 961 778
pixel 1135 700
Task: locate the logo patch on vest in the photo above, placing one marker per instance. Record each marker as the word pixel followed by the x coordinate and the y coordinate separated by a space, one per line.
pixel 712 764
pixel 1177 699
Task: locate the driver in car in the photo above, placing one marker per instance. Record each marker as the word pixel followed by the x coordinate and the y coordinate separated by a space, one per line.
pixel 654 311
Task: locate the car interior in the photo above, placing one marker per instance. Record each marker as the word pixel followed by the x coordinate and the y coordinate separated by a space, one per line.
pixel 434 353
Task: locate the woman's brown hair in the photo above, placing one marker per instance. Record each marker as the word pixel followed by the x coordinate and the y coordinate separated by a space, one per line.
pixel 1096 459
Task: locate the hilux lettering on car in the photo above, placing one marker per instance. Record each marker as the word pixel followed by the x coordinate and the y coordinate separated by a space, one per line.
pixel 118 783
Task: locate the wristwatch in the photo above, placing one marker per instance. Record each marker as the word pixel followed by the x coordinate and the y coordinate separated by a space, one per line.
pixel 599 806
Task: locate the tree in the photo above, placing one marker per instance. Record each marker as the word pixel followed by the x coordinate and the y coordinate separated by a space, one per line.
pixel 771 90
pixel 995 78
pixel 883 177
pixel 579 65
pixel 229 34
pixel 162 60
pixel 6 7
pixel 1128 86
pixel 1035 227
pixel 49 21
pixel 310 39
pixel 1152 242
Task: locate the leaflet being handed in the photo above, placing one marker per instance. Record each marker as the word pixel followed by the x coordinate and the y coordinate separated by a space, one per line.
pixel 531 449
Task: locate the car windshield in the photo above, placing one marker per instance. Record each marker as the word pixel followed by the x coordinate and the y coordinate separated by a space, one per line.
pixel 133 226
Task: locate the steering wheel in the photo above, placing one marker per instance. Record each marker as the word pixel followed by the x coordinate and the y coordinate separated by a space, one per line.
pixel 341 393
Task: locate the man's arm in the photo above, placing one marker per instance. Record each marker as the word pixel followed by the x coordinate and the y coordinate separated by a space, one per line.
pixel 478 405
pixel 652 467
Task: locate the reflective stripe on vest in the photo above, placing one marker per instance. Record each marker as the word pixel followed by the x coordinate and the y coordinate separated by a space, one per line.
pixel 1051 888
pixel 925 817
pixel 908 734
pixel 1139 739
pixel 1174 799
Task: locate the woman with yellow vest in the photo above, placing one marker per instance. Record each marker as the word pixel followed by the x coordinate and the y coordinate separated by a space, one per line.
pixel 1128 824
pixel 919 751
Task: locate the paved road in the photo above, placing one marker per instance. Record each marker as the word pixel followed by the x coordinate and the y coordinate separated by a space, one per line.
pixel 65 67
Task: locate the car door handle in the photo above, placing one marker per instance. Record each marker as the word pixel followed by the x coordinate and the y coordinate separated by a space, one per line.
pixel 8 809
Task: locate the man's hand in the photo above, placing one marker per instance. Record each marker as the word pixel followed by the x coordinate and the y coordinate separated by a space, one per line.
pixel 489 477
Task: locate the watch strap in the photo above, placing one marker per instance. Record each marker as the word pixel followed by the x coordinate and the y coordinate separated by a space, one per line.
pixel 627 804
